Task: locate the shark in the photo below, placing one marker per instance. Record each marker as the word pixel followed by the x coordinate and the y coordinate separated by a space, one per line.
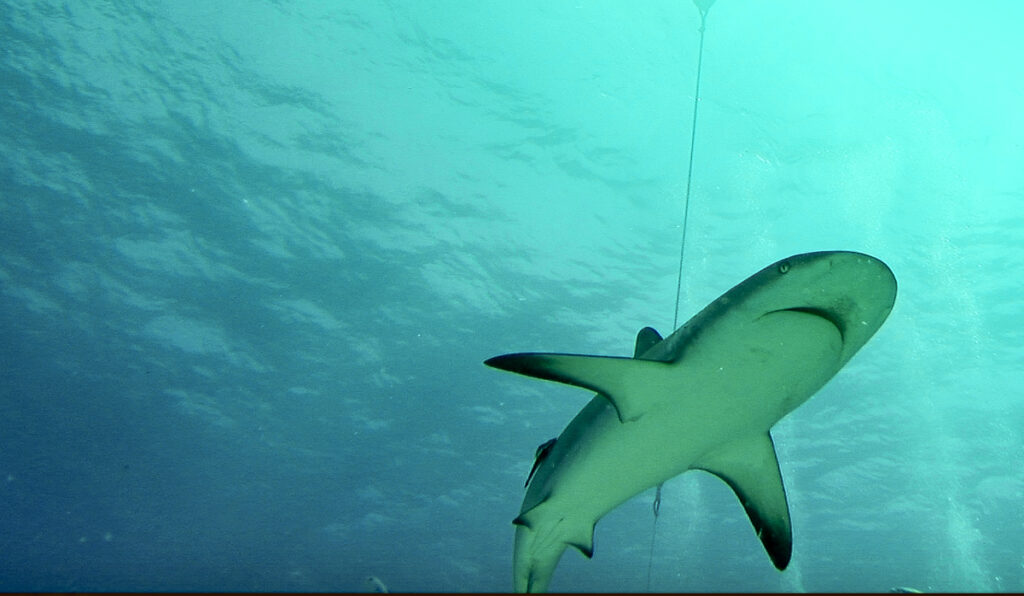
pixel 704 398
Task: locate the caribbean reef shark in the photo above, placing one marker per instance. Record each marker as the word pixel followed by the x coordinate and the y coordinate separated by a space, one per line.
pixel 703 398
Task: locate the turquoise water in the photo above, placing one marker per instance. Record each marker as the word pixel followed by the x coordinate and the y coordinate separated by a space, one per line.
pixel 253 254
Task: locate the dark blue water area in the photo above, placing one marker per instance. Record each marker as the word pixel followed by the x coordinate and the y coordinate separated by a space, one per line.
pixel 252 260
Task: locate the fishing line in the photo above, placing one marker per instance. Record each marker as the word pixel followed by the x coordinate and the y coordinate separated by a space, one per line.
pixel 703 6
pixel 654 532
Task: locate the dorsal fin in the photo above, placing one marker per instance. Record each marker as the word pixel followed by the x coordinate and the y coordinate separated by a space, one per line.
pixel 645 340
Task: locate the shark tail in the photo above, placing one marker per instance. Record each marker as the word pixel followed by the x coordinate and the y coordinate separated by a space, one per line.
pixel 540 545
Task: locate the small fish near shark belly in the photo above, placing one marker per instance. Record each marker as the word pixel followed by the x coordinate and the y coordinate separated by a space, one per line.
pixel 704 398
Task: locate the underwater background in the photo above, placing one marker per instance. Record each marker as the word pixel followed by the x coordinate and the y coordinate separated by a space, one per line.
pixel 253 254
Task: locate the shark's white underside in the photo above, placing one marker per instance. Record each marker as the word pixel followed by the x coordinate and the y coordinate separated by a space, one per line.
pixel 703 398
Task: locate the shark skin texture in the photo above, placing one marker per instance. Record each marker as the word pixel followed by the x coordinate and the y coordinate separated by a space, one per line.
pixel 703 398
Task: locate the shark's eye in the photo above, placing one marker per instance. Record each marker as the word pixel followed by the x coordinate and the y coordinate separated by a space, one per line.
pixel 784 267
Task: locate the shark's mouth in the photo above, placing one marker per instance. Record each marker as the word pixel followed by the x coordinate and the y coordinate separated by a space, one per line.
pixel 828 315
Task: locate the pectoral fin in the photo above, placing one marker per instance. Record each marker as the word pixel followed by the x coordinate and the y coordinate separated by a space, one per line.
pixel 626 382
pixel 751 468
